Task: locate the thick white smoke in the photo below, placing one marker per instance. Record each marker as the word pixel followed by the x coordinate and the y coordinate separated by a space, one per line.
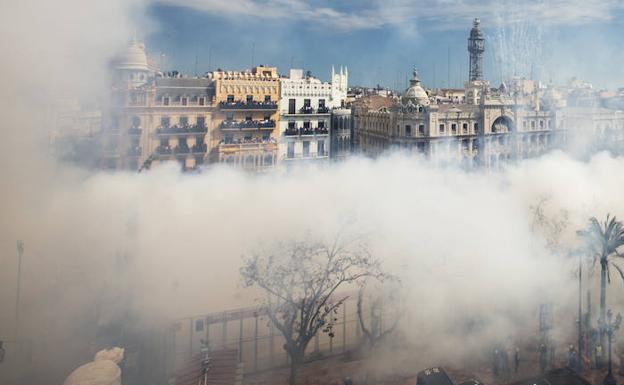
pixel 170 245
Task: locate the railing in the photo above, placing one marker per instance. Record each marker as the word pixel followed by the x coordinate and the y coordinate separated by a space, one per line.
pixel 305 131
pixel 248 105
pixel 310 110
pixel 163 150
pixel 134 131
pixel 134 151
pixel 181 150
pixel 247 124
pixel 177 130
pixel 199 148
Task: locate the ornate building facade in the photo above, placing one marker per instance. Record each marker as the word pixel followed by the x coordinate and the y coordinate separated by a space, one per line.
pixel 484 127
pixel 306 104
pixel 153 117
pixel 246 118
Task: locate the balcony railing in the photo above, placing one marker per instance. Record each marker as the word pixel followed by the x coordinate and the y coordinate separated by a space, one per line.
pixel 181 130
pixel 184 149
pixel 253 105
pixel 305 131
pixel 310 110
pixel 199 148
pixel 134 151
pixel 163 150
pixel 134 131
pixel 247 124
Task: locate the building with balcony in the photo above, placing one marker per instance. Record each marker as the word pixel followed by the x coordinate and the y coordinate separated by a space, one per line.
pixel 481 126
pixel 305 110
pixel 246 118
pixel 156 117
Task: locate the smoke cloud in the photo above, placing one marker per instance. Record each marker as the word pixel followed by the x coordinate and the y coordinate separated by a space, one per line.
pixel 167 245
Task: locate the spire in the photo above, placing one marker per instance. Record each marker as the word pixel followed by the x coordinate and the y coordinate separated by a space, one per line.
pixel 333 73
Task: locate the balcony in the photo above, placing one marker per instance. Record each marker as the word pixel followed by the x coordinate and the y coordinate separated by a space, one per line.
pixel 181 149
pixel 134 131
pixel 199 148
pixel 134 151
pixel 228 125
pixel 305 131
pixel 254 145
pixel 253 105
pixel 181 130
pixel 309 110
pixel 163 150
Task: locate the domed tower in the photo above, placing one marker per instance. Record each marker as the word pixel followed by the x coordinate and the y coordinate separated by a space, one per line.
pixel 476 47
pixel 415 93
pixel 131 67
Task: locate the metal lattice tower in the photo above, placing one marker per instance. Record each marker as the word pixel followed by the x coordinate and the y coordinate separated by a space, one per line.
pixel 476 47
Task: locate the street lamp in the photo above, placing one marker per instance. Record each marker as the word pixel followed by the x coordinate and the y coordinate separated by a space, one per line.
pixel 611 326
pixel 20 252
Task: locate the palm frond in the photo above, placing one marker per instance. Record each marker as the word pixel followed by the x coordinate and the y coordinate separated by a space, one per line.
pixel 619 270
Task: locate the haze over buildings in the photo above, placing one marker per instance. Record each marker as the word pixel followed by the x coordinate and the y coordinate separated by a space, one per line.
pixel 460 180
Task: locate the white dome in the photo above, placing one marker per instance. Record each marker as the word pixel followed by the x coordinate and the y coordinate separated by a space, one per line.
pixel 134 58
pixel 415 93
pixel 103 372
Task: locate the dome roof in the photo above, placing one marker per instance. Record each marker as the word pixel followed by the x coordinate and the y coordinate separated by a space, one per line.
pixel 415 93
pixel 134 58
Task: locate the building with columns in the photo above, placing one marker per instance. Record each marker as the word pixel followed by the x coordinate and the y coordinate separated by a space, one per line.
pixel 487 127
pixel 305 108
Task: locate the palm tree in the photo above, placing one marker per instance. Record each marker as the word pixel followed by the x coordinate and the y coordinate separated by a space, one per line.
pixel 604 239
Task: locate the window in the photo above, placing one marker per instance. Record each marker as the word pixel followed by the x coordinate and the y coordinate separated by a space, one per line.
pixel 291 106
pixel 266 136
pixel 201 121
pixel 291 125
pixel 442 128
pixel 465 128
pixel 541 123
pixel 201 101
pixel 230 98
pixel 165 121
pixel 268 159
pixel 165 100
pixel 454 128
pixel 532 124
pixel 267 118
pixel 306 148
pixel 320 145
pixel 249 99
pixel 306 125
pixel 228 138
pixel 321 103
pixel 185 101
pixel 136 122
pixel 476 128
pixel 421 129
pixel 164 142
pixel 306 103
pixel 229 117
pixel 248 118
pixel 267 98
pixel 408 130
pixel 183 121
pixel 290 153
pixel 321 124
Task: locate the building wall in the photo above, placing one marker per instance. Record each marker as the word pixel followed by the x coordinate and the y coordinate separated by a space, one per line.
pixel 305 115
pixel 246 118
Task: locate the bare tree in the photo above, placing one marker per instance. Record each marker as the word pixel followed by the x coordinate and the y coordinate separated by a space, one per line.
pixel 300 280
pixel 378 299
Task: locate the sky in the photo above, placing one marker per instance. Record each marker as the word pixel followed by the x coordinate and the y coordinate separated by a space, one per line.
pixel 382 40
